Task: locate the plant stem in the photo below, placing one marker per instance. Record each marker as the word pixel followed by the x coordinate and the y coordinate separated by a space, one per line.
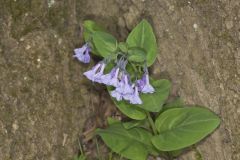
pixel 134 68
pixel 98 153
pixel 110 156
pixel 80 147
pixel 150 120
pixel 198 155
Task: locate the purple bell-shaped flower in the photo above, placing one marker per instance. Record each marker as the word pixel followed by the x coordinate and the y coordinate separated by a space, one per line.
pixel 135 99
pixel 124 87
pixel 82 54
pixel 96 73
pixel 144 85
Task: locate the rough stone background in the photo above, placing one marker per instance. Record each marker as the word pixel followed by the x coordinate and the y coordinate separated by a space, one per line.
pixel 45 101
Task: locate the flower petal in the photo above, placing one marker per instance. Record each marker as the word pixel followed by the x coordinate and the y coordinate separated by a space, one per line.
pixel 116 95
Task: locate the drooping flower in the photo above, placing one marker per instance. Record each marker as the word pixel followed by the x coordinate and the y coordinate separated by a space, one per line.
pixel 124 90
pixel 91 73
pixel 144 85
pixel 124 86
pixel 134 98
pixel 82 54
pixel 96 73
pixel 111 78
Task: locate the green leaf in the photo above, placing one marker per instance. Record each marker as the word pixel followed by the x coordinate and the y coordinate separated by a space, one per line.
pixel 105 43
pixel 123 47
pixel 132 111
pixel 111 120
pixel 177 103
pixel 134 144
pixel 153 102
pixel 142 36
pixel 109 67
pixel 136 55
pixel 134 123
pixel 182 127
pixel 128 109
pixel 89 28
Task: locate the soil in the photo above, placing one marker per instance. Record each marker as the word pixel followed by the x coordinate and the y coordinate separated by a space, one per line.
pixel 46 104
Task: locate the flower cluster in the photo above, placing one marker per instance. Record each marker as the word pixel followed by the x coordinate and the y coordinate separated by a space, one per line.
pixel 118 78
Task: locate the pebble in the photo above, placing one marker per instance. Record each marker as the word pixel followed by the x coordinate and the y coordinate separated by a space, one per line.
pixel 28 47
pixel 50 3
pixel 15 126
pixel 195 26
pixel 229 24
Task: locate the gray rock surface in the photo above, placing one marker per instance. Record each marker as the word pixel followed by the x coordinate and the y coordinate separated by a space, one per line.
pixel 45 101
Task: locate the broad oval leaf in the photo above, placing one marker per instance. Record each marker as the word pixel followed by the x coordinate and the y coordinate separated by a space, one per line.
pixel 132 111
pixel 105 43
pixel 134 144
pixel 136 55
pixel 111 120
pixel 154 102
pixel 176 103
pixel 142 36
pixel 182 127
pixel 123 47
pixel 134 123
pixel 89 28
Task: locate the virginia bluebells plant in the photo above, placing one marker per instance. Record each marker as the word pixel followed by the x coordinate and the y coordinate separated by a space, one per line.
pixel 128 84
pixel 123 69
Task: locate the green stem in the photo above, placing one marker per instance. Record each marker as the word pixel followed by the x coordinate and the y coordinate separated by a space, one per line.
pixel 198 155
pixel 150 120
pixel 80 147
pixel 134 67
pixel 98 152
pixel 110 156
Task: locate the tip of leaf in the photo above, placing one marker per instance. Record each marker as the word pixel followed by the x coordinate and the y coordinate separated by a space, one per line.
pixel 85 22
pixel 144 20
pixel 98 131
